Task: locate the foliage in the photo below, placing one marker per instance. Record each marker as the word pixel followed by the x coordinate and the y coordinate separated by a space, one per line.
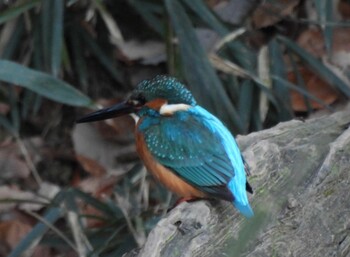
pixel 48 46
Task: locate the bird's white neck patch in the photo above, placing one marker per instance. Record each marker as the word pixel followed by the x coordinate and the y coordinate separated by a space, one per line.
pixel 170 109
pixel 135 117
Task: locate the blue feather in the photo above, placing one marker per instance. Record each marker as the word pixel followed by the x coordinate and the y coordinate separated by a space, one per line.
pixel 196 146
pixel 237 184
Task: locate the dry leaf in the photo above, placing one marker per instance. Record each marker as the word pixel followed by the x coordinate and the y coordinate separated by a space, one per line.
pixel 98 186
pixel 4 108
pixel 12 231
pixel 148 52
pixel 213 3
pixel 269 13
pixel 90 165
pixel 11 164
pixel 312 40
pixel 48 190
pixel 344 9
pixel 101 188
pixel 105 142
pixel 8 193
pixel 316 86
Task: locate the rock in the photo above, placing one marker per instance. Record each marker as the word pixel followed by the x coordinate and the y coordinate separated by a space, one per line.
pixel 300 175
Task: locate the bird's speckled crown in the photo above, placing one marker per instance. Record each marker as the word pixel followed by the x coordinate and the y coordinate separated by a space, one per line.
pixel 165 87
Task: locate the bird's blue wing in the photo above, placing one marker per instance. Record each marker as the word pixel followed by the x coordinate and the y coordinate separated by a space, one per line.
pixel 192 145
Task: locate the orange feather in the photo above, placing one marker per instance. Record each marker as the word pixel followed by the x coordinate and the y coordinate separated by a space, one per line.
pixel 156 104
pixel 163 174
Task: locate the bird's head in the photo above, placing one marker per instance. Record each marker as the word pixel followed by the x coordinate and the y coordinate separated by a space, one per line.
pixel 162 95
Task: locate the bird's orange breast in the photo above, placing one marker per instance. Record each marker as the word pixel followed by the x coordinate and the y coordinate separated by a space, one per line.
pixel 163 174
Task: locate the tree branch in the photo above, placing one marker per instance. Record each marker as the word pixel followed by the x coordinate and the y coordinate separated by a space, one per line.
pixel 300 173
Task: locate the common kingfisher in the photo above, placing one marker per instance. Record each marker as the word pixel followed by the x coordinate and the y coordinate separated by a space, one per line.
pixel 184 146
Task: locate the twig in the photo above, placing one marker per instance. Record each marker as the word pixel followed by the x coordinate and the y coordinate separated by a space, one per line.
pixel 28 160
pixel 53 228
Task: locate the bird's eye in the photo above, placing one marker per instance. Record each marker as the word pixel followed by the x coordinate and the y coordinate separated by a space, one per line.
pixel 137 101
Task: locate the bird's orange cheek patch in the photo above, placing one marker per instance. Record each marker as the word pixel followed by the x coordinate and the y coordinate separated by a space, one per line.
pixel 156 104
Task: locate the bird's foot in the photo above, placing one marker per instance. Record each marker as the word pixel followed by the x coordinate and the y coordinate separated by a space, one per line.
pixel 186 199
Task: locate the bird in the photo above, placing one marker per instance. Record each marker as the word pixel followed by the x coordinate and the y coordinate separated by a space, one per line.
pixel 188 149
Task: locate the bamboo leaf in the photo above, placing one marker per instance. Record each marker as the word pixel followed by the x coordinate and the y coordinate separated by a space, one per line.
pixel 88 199
pixel 45 33
pixel 243 56
pixel 246 96
pixel 325 12
pixel 42 83
pixel 57 36
pixel 317 66
pixel 32 238
pixel 17 10
pixel 149 12
pixel 200 74
pixel 4 122
pixel 15 39
pixel 103 58
pixel 78 58
pixel 111 24
pixel 278 70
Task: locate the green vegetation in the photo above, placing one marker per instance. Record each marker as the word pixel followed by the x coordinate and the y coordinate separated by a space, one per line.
pixel 68 50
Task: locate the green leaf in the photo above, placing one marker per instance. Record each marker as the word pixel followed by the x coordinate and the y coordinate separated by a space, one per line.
pixel 17 10
pixel 31 239
pixel 148 12
pixel 278 70
pixel 15 39
pixel 15 117
pixel 245 100
pixel 201 76
pixel 78 57
pixel 7 125
pixel 45 33
pixel 317 66
pixel 244 57
pixel 88 199
pixel 57 36
pixel 42 84
pixel 102 57
pixel 325 13
pixel 202 10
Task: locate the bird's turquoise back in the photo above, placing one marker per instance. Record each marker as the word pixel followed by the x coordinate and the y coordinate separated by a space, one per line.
pixel 196 146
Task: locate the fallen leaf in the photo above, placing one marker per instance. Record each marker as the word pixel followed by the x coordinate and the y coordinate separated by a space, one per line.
pixel 101 188
pixel 106 141
pixel 11 164
pixel 90 165
pixel 98 186
pixel 213 3
pixel 316 86
pixel 344 9
pixel 269 13
pixel 11 197
pixel 48 190
pixel 312 40
pixel 4 108
pixel 12 232
pixel 148 52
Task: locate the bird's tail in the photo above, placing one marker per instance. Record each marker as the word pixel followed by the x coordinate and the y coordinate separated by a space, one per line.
pixel 245 209
pixel 237 186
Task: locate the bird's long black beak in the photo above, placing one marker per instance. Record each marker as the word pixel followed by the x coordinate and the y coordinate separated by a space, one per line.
pixel 108 113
